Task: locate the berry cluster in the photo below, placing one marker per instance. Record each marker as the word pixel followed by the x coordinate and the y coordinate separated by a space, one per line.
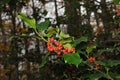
pixel 92 59
pixel 118 12
pixel 57 47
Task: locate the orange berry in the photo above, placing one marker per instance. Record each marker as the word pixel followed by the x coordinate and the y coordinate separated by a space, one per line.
pixel 60 45
pixel 48 44
pixel 66 48
pixel 64 51
pixel 91 59
pixel 72 49
pixel 97 66
pixel 55 48
pixel 50 49
pixel 58 53
pixel 118 12
pixel 59 48
pixel 69 51
pixel 56 43
pixel 51 40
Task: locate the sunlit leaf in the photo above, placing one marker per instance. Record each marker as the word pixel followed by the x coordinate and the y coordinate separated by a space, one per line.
pixel 63 35
pixel 68 45
pixel 90 48
pixel 66 40
pixel 73 58
pixel 30 22
pixel 51 31
pixel 24 35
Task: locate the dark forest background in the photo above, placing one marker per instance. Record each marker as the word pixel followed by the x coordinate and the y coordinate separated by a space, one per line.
pixel 20 56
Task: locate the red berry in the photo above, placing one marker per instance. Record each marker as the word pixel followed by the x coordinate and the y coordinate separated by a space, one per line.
pixel 48 44
pixel 56 43
pixel 50 49
pixel 60 45
pixel 64 51
pixel 72 49
pixel 51 40
pixel 54 48
pixel 118 12
pixel 91 59
pixel 97 65
pixel 58 53
pixel 59 48
pixel 69 51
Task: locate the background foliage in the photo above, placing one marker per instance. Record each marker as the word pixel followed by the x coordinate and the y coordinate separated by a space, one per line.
pixel 23 55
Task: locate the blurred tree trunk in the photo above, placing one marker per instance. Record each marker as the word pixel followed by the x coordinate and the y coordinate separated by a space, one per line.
pixel 14 52
pixel 106 15
pixel 73 16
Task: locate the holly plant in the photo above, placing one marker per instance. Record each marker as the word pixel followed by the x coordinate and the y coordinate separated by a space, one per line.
pixel 56 40
pixel 66 48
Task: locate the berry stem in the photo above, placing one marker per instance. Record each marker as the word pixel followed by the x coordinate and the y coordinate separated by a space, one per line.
pixel 40 36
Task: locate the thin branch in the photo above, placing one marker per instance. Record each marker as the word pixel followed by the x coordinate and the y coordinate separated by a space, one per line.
pixel 56 13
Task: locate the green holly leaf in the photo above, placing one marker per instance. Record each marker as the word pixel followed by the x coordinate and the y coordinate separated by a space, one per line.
pixel 90 48
pixel 109 63
pixel 116 1
pixel 100 51
pixel 114 75
pixel 93 76
pixel 63 35
pixel 44 60
pixel 43 25
pixel 31 22
pixel 66 40
pixel 78 41
pixel 24 35
pixel 72 58
pixel 51 31
pixel 68 45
